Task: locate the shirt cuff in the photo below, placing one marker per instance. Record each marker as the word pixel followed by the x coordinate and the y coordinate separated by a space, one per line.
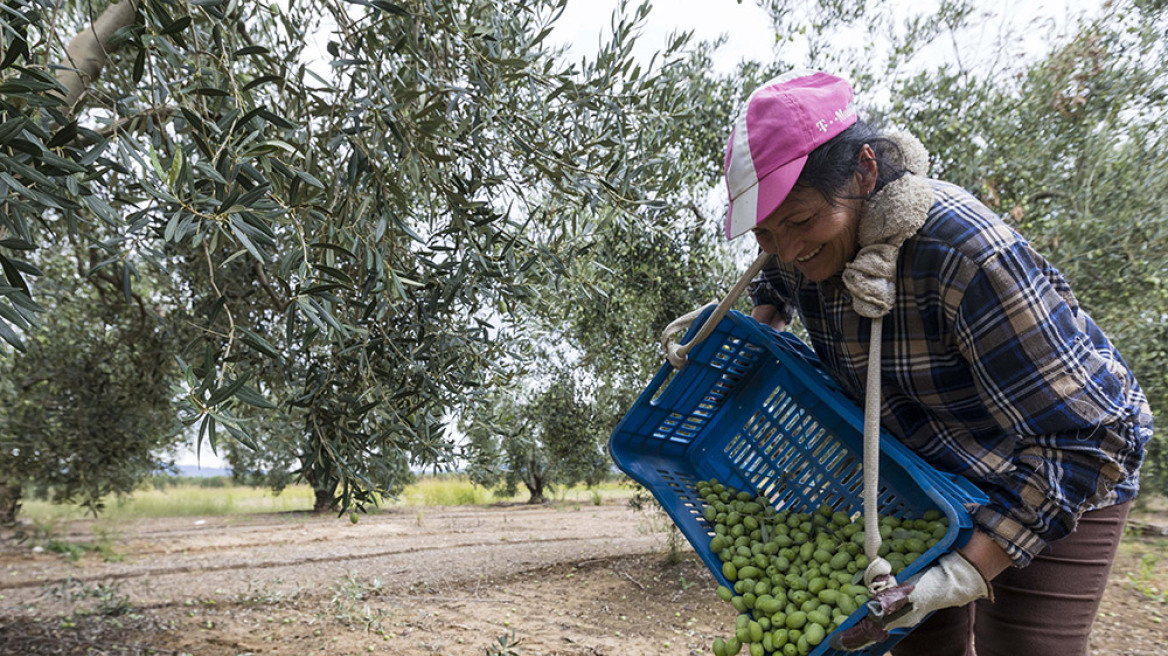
pixel 1019 542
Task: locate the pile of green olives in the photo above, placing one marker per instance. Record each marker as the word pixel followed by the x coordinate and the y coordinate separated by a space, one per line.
pixel 797 576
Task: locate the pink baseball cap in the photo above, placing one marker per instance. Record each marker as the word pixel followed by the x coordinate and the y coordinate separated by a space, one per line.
pixel 781 123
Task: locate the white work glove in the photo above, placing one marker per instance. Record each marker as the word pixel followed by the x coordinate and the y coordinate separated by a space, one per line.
pixel 953 581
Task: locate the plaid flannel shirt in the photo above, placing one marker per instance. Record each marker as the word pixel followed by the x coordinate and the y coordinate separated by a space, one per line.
pixel 990 369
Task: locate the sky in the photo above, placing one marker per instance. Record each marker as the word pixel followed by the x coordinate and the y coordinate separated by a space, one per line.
pixel 750 37
pixel 745 25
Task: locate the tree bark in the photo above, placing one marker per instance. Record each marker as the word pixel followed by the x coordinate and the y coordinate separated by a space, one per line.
pixel 324 488
pixel 9 503
pixel 535 486
pixel 535 479
pixel 86 54
pixel 325 501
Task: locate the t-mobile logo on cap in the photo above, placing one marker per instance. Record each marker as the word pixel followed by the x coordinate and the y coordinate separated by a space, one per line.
pixel 841 115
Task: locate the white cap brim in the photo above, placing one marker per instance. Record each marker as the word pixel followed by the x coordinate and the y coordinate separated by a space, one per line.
pixel 743 213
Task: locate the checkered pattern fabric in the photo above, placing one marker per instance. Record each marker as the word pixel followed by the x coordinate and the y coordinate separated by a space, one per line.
pixel 990 370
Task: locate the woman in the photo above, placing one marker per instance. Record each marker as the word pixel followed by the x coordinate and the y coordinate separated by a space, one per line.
pixel 990 370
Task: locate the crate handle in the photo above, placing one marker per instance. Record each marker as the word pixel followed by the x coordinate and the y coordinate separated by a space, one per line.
pixel 678 354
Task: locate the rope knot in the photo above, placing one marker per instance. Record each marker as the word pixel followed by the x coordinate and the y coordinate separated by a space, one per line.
pixel 878 575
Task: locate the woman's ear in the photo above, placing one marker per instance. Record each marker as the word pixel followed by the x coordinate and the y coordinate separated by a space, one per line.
pixel 867 170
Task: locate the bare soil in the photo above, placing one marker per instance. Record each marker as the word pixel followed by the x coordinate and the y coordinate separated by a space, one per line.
pixel 561 580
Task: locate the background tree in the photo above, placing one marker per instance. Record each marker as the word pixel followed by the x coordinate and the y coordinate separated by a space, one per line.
pixel 88 405
pixel 489 428
pixel 549 439
pixel 566 422
pixel 630 275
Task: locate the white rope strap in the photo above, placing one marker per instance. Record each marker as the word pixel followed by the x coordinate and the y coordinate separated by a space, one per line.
pixel 677 354
pixel 878 575
pixel 892 215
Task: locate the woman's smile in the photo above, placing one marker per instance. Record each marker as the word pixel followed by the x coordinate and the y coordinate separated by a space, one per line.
pixel 807 257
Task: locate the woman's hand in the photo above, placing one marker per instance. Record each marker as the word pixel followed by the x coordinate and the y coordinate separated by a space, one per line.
pixel 769 315
pixel 955 580
pixel 952 581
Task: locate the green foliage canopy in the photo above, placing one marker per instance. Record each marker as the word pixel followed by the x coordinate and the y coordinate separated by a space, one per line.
pixel 349 242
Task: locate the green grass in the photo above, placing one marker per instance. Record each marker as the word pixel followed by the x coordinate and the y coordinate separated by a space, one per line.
pixel 182 501
pixel 443 491
pixel 197 500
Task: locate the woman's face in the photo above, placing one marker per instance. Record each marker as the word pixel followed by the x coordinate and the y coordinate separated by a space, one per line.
pixel 818 236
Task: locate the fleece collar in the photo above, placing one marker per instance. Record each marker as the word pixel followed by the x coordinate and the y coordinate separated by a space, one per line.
pixel 890 217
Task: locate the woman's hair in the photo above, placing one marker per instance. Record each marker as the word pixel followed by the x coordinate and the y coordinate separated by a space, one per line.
pixel 831 167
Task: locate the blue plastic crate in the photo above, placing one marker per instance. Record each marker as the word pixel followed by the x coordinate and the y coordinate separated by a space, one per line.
pixel 753 410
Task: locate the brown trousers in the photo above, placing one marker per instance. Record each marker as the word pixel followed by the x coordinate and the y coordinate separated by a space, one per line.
pixel 1044 609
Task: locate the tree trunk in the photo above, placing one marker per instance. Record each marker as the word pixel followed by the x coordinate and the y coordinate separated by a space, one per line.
pixel 535 479
pixel 86 54
pixel 535 486
pixel 326 500
pixel 9 503
pixel 324 487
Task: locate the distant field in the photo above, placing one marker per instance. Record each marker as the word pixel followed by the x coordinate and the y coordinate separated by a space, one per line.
pixel 217 497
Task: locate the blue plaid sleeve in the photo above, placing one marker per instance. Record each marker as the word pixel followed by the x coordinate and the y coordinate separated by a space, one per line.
pixel 1054 384
pixel 764 290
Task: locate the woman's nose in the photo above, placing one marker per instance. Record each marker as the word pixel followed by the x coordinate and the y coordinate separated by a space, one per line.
pixel 788 249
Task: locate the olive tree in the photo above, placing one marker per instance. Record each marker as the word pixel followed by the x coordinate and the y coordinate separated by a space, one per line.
pixel 542 439
pixel 352 201
pixel 630 276
pixel 88 409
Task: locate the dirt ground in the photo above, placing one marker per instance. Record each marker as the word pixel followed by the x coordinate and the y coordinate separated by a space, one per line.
pixel 569 580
